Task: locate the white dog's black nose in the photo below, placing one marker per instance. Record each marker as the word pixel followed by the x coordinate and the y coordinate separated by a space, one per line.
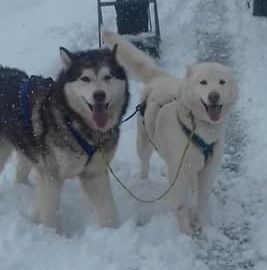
pixel 99 96
pixel 214 97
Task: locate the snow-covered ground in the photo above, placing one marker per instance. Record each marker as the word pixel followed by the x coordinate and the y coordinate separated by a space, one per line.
pixel 31 32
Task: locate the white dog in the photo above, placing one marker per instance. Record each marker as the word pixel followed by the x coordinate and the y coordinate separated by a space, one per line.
pixel 203 99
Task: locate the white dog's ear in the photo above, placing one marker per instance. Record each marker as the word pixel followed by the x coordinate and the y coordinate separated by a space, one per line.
pixel 114 51
pixel 187 76
pixel 66 57
pixel 189 71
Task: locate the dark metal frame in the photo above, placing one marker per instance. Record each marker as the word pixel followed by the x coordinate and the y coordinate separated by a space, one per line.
pixel 107 3
pixel 260 8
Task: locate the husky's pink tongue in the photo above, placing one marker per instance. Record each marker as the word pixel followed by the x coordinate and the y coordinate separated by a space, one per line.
pixel 214 112
pixel 100 115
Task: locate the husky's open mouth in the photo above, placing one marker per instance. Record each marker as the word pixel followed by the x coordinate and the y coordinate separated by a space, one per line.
pixel 100 114
pixel 214 111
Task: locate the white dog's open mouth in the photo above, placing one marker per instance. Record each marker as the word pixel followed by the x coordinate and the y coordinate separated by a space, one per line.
pixel 213 110
pixel 100 113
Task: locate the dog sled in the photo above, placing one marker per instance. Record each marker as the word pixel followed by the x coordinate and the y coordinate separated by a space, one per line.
pixel 136 19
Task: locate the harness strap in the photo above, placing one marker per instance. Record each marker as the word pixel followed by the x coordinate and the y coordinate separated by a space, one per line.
pixel 138 108
pixel 142 107
pixel 205 148
pixel 88 148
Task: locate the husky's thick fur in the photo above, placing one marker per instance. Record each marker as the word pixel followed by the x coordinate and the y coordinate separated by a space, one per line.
pixel 90 95
pixel 204 97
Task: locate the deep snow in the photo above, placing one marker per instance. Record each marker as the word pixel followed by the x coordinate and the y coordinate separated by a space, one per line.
pixel 31 32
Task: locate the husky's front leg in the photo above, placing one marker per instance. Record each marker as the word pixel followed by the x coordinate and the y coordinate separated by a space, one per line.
pixel 47 197
pixel 97 187
pixel 23 169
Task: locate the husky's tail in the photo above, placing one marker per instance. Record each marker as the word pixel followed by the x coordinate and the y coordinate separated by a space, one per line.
pixel 137 61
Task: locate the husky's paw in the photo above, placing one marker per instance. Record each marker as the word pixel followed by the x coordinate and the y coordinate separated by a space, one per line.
pixel 25 182
pixel 108 218
pixel 53 225
pixel 110 223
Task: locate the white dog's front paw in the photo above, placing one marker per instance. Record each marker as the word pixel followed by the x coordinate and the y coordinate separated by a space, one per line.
pixel 195 224
pixel 184 220
pixel 195 221
pixel 186 228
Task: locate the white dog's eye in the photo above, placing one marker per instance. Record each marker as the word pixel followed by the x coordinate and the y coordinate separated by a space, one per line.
pixel 85 79
pixel 203 82
pixel 222 82
pixel 107 78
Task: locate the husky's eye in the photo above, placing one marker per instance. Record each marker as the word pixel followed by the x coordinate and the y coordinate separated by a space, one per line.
pixel 203 82
pixel 222 82
pixel 107 78
pixel 85 79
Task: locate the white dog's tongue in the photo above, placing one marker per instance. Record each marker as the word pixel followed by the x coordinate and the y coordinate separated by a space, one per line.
pixel 100 115
pixel 214 112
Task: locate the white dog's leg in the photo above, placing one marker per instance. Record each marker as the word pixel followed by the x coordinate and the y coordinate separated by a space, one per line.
pixel 183 214
pixel 203 200
pixel 193 205
pixel 144 148
pixel 47 197
pixel 23 169
pixel 179 198
pixel 98 189
pixel 204 190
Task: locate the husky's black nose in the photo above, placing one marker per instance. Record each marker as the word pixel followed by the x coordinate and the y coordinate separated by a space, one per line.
pixel 99 96
pixel 214 97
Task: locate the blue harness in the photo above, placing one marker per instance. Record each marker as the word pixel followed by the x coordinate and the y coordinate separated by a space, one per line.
pixel 206 148
pixel 24 100
pixel 88 148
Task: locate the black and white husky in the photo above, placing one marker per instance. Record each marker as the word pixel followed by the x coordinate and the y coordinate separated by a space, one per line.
pixel 56 126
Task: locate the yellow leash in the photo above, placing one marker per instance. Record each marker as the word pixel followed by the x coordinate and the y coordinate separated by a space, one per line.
pixel 124 186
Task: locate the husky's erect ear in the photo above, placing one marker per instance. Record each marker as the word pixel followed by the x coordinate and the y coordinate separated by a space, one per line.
pixel 66 57
pixel 114 51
